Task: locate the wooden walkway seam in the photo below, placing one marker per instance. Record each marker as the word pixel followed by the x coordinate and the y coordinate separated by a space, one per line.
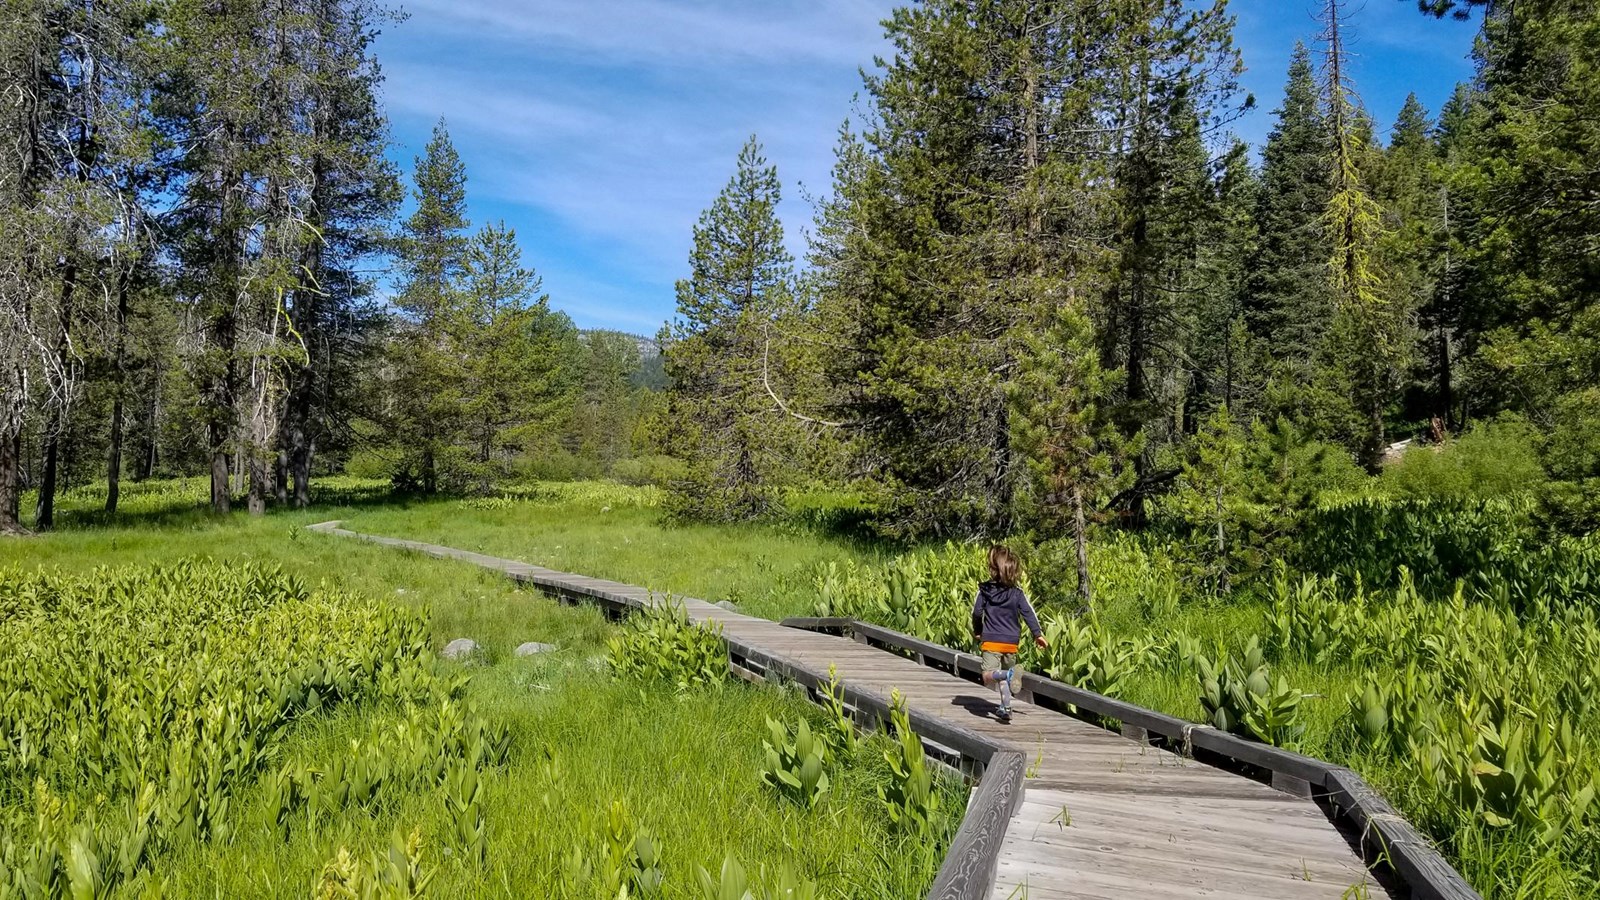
pixel 1063 807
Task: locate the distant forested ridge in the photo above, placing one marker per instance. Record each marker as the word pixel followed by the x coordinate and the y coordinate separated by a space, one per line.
pixel 1048 290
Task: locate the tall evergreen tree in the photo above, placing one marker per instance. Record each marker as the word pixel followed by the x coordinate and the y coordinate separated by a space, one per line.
pixel 1225 355
pixel 1369 326
pixel 350 196
pixel 717 350
pixel 1531 173
pixel 958 212
pixel 517 355
pixel 1410 251
pixel 1058 408
pixel 433 247
pixel 1289 306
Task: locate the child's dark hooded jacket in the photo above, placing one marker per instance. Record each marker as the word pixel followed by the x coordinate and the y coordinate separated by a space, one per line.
pixel 999 612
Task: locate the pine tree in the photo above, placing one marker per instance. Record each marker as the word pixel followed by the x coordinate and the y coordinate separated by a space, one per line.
pixel 1411 251
pixel 1223 351
pixel 1063 431
pixel 516 354
pixel 351 193
pixel 1289 304
pixel 1369 325
pixel 717 350
pixel 433 246
pixel 1527 176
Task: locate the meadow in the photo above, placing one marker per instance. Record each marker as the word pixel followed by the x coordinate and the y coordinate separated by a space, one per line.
pixel 1469 702
pixel 1441 648
pixel 554 774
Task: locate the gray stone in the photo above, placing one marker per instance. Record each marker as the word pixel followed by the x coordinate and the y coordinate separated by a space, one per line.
pixel 534 647
pixel 728 605
pixel 461 648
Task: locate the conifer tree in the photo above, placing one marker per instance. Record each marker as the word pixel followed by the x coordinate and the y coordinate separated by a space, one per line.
pixel 1289 306
pixel 516 354
pixel 1410 251
pixel 1368 326
pixel 717 350
pixel 433 245
pixel 351 193
pixel 1063 431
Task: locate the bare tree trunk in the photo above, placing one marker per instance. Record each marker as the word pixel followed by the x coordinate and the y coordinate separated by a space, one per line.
pixel 120 382
pixel 221 421
pixel 280 476
pixel 149 458
pixel 221 483
pixel 10 483
pixel 259 487
pixel 45 517
pixel 1223 585
pixel 296 440
pixel 1080 537
pixel 300 470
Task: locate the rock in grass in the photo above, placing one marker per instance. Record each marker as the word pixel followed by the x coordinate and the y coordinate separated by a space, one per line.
pixel 532 648
pixel 462 649
pixel 728 605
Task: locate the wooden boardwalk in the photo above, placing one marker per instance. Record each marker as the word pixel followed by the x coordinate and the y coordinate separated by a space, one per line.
pixel 1101 816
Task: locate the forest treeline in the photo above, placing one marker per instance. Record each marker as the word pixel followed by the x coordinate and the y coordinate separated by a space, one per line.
pixel 1048 288
pixel 201 271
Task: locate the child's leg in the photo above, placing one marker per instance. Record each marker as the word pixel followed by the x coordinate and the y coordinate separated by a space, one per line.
pixel 991 669
pixel 1009 679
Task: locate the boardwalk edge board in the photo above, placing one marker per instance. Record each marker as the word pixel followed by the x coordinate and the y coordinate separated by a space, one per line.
pixel 972 861
pixel 1385 836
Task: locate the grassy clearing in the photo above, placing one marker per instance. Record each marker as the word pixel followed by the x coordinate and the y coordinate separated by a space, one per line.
pixel 767 570
pixel 685 768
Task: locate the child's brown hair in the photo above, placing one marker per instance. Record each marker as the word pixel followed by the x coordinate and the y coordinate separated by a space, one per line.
pixel 1004 566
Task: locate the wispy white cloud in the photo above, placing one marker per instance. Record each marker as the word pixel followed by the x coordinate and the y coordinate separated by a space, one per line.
pixel 601 128
pixel 697 32
pixel 621 120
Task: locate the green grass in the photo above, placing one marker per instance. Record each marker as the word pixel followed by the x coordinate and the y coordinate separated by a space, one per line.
pixel 685 767
pixel 764 569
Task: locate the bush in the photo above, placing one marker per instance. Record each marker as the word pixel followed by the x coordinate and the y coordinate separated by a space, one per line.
pixel 555 464
pixel 1572 454
pixel 1493 459
pixel 1442 540
pixel 372 464
pixel 659 643
pixel 657 471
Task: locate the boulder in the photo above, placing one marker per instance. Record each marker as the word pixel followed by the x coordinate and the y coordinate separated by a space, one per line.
pixel 532 648
pixel 461 649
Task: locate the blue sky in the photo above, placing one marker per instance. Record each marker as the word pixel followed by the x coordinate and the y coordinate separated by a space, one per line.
pixel 599 129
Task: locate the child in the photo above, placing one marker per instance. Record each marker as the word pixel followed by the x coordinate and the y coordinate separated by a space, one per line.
pixel 997 619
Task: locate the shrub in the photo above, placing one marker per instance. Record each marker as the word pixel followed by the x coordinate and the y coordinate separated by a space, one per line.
pixel 1493 459
pixel 912 802
pixel 1445 540
pixel 926 593
pixel 659 643
pixel 659 471
pixel 1083 654
pixel 1244 700
pixel 555 464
